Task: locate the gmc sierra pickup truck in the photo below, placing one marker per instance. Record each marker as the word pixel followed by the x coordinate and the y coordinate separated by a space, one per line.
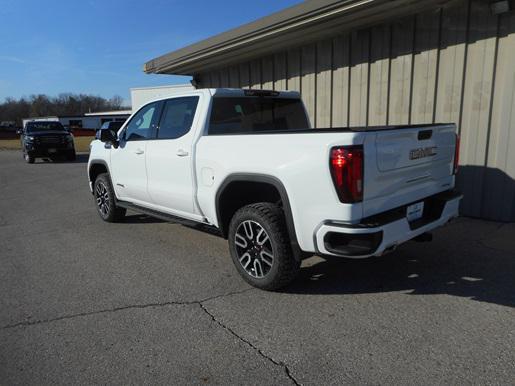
pixel 46 139
pixel 248 163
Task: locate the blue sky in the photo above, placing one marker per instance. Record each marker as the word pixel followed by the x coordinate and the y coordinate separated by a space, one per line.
pixel 99 46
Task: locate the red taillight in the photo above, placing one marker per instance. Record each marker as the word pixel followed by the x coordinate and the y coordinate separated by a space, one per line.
pixel 346 165
pixel 456 154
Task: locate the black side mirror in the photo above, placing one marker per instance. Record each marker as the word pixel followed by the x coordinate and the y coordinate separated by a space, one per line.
pixel 109 136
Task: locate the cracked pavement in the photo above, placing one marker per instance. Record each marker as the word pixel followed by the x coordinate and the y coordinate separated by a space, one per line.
pixel 82 301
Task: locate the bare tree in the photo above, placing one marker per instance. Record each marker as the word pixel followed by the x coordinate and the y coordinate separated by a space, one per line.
pixel 64 104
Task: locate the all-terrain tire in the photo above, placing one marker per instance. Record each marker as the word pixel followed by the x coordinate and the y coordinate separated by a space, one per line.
pixel 258 232
pixel 105 200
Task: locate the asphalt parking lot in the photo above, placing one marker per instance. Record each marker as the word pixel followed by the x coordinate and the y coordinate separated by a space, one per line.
pixel 144 301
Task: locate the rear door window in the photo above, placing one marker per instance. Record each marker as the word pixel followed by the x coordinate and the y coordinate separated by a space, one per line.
pixel 177 117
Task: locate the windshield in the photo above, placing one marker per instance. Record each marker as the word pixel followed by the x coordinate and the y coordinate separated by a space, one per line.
pixel 256 114
pixel 34 127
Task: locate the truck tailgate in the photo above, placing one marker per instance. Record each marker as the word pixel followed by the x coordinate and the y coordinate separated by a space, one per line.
pixel 406 165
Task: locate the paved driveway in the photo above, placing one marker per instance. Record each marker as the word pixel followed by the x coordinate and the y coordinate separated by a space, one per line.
pixel 145 301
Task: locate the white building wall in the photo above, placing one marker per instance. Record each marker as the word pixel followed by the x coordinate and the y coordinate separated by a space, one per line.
pixel 88 122
pixel 53 119
pixel 142 95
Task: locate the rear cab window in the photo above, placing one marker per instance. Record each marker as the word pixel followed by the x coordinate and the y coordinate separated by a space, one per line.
pixel 252 114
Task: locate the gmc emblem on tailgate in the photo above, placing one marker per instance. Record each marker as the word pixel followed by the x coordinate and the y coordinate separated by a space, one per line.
pixel 422 152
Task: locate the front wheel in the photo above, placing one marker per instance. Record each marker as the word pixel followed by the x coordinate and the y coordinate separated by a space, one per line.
pixel 71 156
pixel 260 247
pixel 28 158
pixel 105 200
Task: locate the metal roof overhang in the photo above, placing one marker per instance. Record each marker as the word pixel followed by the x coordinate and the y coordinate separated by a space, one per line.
pixel 301 24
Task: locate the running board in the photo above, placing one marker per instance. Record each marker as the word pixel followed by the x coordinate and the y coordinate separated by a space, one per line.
pixel 160 215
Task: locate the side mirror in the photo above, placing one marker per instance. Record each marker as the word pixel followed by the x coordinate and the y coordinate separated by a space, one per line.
pixel 109 136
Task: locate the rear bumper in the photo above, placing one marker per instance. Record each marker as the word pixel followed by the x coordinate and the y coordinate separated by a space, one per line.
pixel 381 233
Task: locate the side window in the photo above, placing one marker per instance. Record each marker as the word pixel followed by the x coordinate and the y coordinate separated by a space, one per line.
pixel 143 124
pixel 177 117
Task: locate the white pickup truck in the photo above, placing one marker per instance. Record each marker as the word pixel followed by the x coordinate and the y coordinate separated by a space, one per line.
pixel 248 163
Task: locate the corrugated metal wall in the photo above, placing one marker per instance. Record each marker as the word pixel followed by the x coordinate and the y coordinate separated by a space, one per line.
pixel 454 64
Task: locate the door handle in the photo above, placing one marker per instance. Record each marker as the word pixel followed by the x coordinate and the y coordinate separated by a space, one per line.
pixel 182 153
pixel 139 151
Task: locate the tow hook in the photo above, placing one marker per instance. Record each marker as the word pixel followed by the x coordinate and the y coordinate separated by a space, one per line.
pixel 424 237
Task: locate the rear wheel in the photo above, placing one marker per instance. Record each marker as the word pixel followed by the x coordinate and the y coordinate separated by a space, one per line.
pixel 260 247
pixel 105 200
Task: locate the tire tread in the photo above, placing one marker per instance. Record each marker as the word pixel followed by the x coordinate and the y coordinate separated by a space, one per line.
pixel 116 213
pixel 274 216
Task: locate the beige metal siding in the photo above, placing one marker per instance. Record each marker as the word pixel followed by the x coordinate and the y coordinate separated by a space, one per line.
pixel 476 105
pixel 452 64
pixel 379 69
pixel 255 74
pixel 267 73
pixel 401 67
pixel 324 83
pixel 453 33
pixel 280 71
pixel 224 77
pixel 360 47
pixel 340 87
pixel 215 79
pixel 234 77
pixel 308 80
pixel 294 70
pixel 499 187
pixel 244 75
pixel 425 57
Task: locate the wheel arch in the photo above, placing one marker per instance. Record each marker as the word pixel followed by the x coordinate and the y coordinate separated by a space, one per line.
pixel 97 167
pixel 240 183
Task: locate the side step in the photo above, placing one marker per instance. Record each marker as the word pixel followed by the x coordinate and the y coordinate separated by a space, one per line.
pixel 163 216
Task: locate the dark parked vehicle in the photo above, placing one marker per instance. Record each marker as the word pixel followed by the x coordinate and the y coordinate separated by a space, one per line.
pixel 46 139
pixel 112 125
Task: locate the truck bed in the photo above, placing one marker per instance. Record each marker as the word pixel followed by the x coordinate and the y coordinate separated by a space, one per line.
pixel 342 129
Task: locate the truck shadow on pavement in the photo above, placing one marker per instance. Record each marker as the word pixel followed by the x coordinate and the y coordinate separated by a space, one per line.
pixel 467 266
pixel 140 219
pixel 80 159
pixel 464 259
pixel 468 258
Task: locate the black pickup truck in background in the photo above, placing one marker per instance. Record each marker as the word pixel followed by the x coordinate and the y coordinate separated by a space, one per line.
pixel 46 139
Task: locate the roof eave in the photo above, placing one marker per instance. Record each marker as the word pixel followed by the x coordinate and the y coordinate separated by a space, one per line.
pixel 325 21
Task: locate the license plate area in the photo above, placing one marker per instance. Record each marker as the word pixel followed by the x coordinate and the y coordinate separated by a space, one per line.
pixel 415 211
pixel 51 151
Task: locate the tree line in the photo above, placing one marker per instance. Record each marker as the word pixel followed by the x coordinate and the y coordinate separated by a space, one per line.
pixel 14 110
